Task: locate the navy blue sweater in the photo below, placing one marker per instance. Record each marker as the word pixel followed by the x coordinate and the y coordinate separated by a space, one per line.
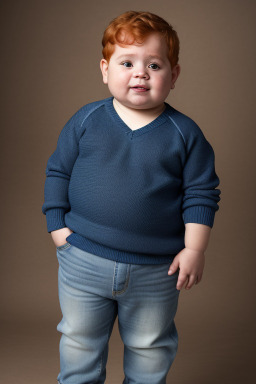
pixel 127 194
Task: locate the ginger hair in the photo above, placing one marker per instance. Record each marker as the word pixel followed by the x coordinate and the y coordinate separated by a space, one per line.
pixel 134 26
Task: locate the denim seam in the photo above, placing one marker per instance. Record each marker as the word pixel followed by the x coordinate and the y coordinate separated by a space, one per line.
pixel 63 247
pixel 115 293
pixel 101 358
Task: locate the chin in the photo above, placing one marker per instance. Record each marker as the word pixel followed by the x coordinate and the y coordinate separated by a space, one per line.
pixel 140 104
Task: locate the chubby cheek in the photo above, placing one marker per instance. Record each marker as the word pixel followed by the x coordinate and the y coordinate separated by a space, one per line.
pixel 117 81
pixel 120 77
pixel 165 81
pixel 162 85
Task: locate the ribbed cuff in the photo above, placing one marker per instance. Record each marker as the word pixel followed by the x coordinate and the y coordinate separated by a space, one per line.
pixel 55 219
pixel 199 214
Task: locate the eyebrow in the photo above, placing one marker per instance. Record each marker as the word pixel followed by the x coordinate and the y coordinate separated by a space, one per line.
pixel 132 55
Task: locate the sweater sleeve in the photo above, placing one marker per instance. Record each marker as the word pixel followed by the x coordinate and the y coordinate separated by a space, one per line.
pixel 58 172
pixel 200 193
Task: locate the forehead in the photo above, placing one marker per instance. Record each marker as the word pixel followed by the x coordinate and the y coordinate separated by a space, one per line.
pixel 154 45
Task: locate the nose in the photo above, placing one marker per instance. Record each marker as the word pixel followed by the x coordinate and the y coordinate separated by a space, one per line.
pixel 140 73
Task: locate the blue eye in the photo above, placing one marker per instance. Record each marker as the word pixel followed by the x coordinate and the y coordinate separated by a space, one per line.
pixel 127 64
pixel 154 66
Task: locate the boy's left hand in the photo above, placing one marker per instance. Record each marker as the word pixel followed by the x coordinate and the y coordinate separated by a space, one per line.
pixel 191 263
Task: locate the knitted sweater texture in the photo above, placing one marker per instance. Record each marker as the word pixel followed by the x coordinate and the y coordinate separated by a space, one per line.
pixel 127 194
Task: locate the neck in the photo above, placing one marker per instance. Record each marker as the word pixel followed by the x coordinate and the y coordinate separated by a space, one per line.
pixel 132 112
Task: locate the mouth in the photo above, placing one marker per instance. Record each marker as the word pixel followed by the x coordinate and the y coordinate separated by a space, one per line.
pixel 140 88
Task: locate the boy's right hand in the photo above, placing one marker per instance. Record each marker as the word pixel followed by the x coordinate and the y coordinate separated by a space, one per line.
pixel 59 236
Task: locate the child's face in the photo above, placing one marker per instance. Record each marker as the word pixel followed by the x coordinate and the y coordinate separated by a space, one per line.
pixel 145 65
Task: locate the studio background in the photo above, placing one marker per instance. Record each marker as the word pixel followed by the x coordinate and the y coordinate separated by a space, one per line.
pixel 49 69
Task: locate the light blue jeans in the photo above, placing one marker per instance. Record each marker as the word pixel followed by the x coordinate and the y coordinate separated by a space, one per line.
pixel 92 292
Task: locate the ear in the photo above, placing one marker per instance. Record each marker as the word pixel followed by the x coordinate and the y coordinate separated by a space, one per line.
pixel 104 70
pixel 175 75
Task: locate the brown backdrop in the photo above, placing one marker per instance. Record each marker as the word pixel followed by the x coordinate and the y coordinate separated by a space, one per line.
pixel 50 68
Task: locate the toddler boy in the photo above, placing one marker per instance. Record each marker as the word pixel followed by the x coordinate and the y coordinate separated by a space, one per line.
pixel 130 199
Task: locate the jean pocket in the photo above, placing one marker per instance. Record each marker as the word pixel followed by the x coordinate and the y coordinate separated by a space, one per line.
pixel 64 246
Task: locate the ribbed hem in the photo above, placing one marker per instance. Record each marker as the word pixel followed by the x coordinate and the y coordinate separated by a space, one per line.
pixel 55 219
pixel 199 214
pixel 115 254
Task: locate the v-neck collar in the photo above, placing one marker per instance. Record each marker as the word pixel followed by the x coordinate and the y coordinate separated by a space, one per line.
pixel 139 131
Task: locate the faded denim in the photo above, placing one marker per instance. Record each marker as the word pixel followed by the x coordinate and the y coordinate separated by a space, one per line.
pixel 93 291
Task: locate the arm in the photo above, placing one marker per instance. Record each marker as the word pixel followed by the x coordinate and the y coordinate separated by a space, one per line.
pixel 191 259
pixel 58 173
pixel 200 202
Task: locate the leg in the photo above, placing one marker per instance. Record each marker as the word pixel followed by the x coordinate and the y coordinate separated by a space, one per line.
pixel 146 314
pixel 88 317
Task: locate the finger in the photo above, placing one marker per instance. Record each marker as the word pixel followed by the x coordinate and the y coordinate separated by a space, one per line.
pixel 181 281
pixel 191 280
pixel 173 267
pixel 199 278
